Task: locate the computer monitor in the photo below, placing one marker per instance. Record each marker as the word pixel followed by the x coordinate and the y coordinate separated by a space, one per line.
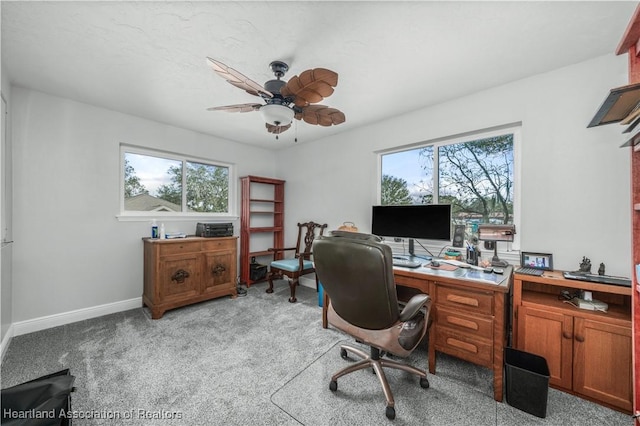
pixel 424 221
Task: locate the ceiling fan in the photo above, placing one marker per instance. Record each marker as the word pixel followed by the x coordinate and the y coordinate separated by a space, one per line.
pixel 285 100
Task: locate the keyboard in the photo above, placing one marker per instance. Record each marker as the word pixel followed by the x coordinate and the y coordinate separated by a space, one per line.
pixel 405 263
pixel 602 279
pixel 530 271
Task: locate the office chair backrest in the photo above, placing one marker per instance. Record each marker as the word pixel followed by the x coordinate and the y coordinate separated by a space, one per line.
pixel 356 271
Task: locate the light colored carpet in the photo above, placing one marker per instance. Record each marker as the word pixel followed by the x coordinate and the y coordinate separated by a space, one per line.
pixel 255 360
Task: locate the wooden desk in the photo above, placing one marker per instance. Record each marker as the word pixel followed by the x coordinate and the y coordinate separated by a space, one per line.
pixel 470 315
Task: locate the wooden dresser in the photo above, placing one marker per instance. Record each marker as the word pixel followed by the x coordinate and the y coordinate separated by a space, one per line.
pixel 179 272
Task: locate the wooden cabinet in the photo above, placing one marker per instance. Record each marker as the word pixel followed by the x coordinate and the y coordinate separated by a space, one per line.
pixel 179 272
pixel 588 352
pixel 261 222
pixel 550 335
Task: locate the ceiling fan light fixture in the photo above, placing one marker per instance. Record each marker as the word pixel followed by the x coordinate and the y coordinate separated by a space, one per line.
pixel 278 115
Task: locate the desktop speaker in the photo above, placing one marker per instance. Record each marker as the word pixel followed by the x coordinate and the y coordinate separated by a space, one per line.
pixel 458 235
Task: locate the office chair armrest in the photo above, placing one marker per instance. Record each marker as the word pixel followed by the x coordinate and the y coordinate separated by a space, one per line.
pixel 413 306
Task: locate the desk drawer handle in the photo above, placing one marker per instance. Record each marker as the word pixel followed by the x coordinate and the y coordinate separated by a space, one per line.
pixel 463 300
pixel 462 345
pixel 462 322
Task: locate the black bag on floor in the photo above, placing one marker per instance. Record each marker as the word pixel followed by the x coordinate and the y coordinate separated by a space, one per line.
pixel 39 402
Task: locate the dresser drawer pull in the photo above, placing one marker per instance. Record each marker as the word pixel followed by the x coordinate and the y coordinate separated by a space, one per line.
pixel 462 322
pixel 463 300
pixel 219 269
pixel 179 276
pixel 462 345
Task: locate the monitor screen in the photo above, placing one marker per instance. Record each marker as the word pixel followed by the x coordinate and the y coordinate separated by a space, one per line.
pixel 426 221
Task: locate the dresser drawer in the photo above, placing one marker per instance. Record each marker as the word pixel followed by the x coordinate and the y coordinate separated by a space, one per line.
pixel 470 301
pixel 475 325
pixel 213 244
pixel 462 345
pixel 169 248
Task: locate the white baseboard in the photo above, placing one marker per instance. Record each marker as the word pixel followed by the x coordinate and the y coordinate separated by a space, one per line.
pixel 6 340
pixel 308 281
pixel 50 321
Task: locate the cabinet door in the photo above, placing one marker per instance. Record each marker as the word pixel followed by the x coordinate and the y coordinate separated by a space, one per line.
pixel 550 335
pixel 602 362
pixel 219 271
pixel 178 277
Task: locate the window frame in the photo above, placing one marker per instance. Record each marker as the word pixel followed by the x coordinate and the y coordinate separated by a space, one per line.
pixel 130 215
pixel 514 129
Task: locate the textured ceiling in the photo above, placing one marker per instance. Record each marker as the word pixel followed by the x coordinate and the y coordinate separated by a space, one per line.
pixel 148 58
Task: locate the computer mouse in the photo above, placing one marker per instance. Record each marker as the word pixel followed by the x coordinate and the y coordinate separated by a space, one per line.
pixel 435 263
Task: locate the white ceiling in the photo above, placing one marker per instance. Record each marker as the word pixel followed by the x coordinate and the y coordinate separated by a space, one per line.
pixel 148 58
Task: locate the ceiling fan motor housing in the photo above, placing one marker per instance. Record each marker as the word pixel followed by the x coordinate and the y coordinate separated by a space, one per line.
pixel 274 86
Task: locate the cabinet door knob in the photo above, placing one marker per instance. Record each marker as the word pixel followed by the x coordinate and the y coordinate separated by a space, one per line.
pixel 179 276
pixel 567 335
pixel 219 269
pixel 580 338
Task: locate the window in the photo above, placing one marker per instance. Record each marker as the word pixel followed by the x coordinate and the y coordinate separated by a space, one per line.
pixel 165 184
pixel 475 174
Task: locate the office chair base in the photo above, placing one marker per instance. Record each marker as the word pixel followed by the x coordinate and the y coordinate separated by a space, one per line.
pixel 374 361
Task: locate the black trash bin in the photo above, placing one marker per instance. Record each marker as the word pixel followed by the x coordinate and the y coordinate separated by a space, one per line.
pixel 527 377
pixel 45 401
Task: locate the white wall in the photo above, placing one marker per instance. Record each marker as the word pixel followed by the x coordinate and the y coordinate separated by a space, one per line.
pixel 70 250
pixel 575 181
pixel 6 250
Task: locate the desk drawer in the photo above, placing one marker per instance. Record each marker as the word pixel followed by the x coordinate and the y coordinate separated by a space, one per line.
pixel 475 325
pixel 470 301
pixel 464 346
pixel 420 284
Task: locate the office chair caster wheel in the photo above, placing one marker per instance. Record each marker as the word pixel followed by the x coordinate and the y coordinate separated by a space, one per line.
pixel 390 413
pixel 343 353
pixel 424 383
pixel 333 385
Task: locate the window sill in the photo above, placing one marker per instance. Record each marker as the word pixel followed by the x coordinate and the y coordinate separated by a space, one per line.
pixel 512 256
pixel 175 218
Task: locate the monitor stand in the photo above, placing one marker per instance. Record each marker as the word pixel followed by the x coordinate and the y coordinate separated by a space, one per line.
pixel 411 248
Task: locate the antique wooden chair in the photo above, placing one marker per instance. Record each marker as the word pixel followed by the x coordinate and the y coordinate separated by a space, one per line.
pixel 301 264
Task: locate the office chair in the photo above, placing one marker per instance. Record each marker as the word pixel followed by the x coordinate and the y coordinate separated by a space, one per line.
pixel 356 271
pixel 301 264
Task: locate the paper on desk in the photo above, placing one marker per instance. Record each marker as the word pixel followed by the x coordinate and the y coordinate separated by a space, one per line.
pixel 479 275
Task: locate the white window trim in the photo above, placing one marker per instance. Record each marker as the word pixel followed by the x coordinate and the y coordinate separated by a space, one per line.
pixel 506 251
pixel 134 216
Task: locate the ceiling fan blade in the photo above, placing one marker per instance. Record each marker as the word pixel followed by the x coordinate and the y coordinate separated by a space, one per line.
pixel 321 115
pixel 276 129
pixel 311 86
pixel 238 79
pixel 237 108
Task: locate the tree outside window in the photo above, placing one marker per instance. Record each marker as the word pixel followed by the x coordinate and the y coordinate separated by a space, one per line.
pixel 476 177
pixel 160 184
